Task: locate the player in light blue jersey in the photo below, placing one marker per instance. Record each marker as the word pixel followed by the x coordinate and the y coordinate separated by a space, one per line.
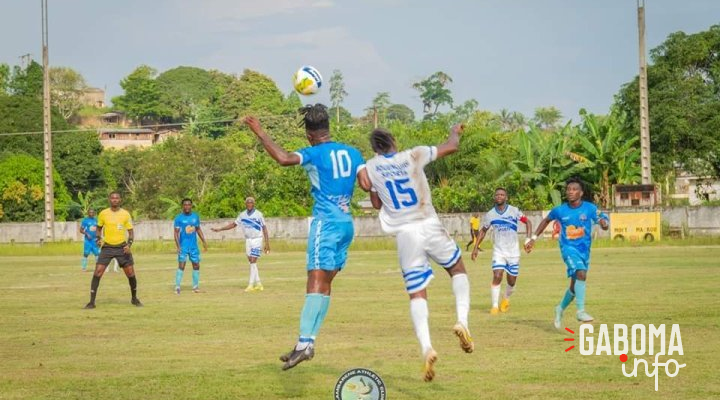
pixel 576 218
pixel 332 169
pixel 88 228
pixel 187 229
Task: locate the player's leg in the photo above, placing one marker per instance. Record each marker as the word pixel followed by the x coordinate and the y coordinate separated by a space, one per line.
pixel 512 270
pixel 106 255
pixel 579 289
pixel 127 264
pixel 498 266
pixel 86 253
pixel 257 253
pixel 182 256
pixel 569 295
pixel 420 314
pixel 252 262
pixel 194 255
pixel 473 237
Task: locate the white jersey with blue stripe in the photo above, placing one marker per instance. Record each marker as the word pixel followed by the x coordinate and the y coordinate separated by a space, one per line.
pixel 251 223
pixel 505 227
pixel 332 169
pixel 401 184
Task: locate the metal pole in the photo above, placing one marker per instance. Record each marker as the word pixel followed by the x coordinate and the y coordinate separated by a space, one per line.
pixel 645 167
pixel 47 134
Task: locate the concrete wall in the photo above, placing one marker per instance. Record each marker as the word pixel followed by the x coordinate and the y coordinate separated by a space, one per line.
pixel 699 221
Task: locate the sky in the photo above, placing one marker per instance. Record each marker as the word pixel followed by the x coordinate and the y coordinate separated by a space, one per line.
pixel 513 54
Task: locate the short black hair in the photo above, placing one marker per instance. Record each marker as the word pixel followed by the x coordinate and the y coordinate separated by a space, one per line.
pixel 315 117
pixel 186 199
pixel 114 192
pixel 501 188
pixel 575 179
pixel 382 141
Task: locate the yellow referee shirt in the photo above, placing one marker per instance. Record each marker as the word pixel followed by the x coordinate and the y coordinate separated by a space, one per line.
pixel 114 224
pixel 475 223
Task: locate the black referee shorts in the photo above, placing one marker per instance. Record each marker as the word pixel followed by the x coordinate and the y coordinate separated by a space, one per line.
pixel 107 253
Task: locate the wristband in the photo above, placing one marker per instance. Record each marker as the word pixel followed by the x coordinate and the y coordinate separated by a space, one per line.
pixel 372 189
pixel 534 237
pixel 130 242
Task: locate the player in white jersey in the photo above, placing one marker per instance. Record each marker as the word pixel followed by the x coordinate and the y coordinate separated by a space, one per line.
pixel 253 224
pixel 400 190
pixel 504 220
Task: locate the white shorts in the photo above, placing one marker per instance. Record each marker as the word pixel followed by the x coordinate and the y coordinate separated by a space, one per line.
pixel 419 242
pixel 511 265
pixel 253 247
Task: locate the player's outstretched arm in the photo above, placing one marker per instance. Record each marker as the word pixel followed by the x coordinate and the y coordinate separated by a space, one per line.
pixel 224 228
pixel 480 237
pixel 453 142
pixel 540 229
pixel 201 234
pixel 276 152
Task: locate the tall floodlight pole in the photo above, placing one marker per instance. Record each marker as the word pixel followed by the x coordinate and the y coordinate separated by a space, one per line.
pixel 47 136
pixel 646 172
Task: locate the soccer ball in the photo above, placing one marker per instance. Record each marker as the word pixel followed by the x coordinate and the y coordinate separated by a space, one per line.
pixel 307 80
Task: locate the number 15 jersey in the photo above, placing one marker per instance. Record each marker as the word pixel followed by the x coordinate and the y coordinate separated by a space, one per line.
pixel 401 184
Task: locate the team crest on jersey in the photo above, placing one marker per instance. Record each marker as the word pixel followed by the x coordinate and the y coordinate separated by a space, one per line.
pixel 583 217
pixel 93 228
pixel 574 232
pixel 189 229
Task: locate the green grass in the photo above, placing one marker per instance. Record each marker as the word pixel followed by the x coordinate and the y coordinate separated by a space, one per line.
pixel 224 343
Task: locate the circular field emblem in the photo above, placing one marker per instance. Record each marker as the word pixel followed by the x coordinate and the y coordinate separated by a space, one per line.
pixel 360 384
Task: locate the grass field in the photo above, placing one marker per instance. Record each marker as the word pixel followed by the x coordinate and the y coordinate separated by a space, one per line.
pixel 224 343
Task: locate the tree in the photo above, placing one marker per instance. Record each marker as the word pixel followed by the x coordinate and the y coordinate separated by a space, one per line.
pixel 185 89
pixel 547 117
pixel 76 156
pixel 66 90
pixel 337 92
pixel 25 114
pixel 683 87
pixel 21 190
pixel 465 111
pixel 611 155
pixel 4 78
pixel 27 82
pixel 141 100
pixel 379 105
pixel 434 93
pixel 345 116
pixel 400 113
pixel 253 92
pixel 505 118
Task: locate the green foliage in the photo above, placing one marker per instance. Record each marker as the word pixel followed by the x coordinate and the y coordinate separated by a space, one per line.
pixel 4 78
pixel 76 156
pixel 25 114
pixel 434 92
pixel 342 113
pixel 21 190
pixel 27 82
pixel 66 90
pixel 400 113
pixel 184 89
pixel 547 117
pixel 683 87
pixel 141 99
pixel 253 93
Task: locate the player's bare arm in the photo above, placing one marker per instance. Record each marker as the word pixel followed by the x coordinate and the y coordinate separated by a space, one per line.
pixel 229 226
pixel 604 223
pixel 364 180
pixel 528 232
pixel 453 143
pixel 131 239
pixel 266 239
pixel 202 237
pixel 98 236
pixel 540 229
pixel 177 239
pixel 276 152
pixel 375 200
pixel 476 249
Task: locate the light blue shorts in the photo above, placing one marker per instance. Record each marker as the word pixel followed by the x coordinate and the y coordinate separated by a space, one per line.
pixel 328 243
pixel 90 248
pixel 193 253
pixel 575 262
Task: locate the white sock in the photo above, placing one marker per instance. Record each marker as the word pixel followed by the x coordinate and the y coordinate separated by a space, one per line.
pixel 256 271
pixel 419 313
pixel 509 291
pixel 495 291
pixel 461 289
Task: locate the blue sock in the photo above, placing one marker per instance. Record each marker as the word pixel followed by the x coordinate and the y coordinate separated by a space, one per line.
pixel 310 312
pixel 83 263
pixel 196 278
pixel 321 316
pixel 568 298
pixel 178 277
pixel 580 295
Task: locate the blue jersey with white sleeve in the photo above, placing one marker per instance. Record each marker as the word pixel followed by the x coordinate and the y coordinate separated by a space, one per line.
pixel 332 169
pixel 188 224
pixel 576 227
pixel 89 225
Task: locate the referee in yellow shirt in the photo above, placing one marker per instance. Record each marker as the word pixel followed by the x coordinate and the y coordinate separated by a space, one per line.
pixel 114 224
pixel 474 230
